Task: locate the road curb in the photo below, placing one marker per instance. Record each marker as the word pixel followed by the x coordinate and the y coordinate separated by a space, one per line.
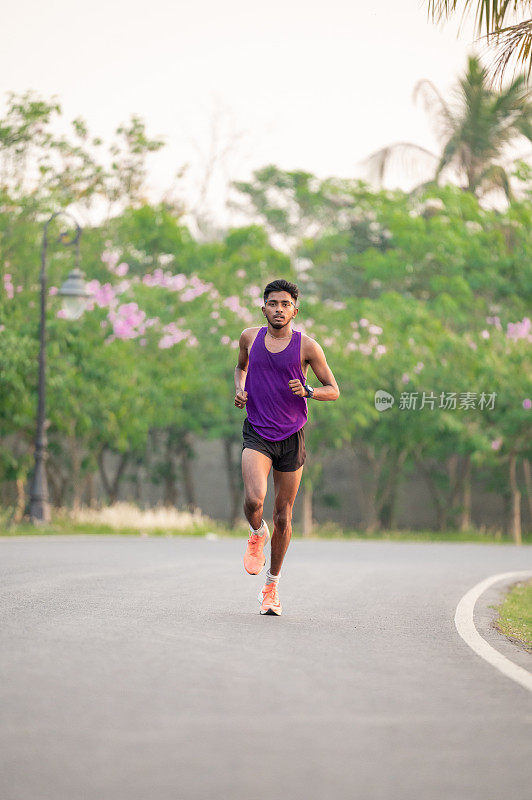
pixel 474 610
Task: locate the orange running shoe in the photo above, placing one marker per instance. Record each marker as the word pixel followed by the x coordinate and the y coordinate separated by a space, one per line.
pixel 254 558
pixel 269 600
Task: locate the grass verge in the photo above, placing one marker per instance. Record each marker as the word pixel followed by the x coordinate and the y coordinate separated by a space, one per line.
pixel 128 520
pixel 515 615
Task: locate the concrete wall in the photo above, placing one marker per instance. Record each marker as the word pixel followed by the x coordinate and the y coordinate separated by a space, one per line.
pixel 414 504
pixel 335 500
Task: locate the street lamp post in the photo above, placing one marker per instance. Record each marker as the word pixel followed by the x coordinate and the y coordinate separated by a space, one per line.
pixel 74 301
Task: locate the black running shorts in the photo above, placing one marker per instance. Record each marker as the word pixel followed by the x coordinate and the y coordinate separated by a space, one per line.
pixel 287 455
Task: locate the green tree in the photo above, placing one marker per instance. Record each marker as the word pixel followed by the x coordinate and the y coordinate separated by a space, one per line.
pixel 492 16
pixel 476 132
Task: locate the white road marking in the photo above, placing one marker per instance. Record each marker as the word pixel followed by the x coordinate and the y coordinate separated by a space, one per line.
pixel 463 619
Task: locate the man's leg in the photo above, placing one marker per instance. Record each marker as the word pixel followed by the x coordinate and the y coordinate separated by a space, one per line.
pixel 255 470
pixel 286 488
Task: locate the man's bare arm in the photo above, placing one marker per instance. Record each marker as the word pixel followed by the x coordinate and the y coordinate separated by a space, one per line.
pixel 241 371
pixel 318 362
pixel 242 366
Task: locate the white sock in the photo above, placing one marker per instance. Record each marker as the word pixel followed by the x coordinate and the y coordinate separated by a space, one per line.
pixel 257 532
pixel 272 578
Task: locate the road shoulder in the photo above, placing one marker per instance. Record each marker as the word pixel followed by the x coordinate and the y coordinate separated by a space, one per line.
pixel 485 615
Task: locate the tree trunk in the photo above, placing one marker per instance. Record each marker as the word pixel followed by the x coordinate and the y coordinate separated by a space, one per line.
pixel 439 504
pixel 186 468
pixel 387 502
pixel 234 481
pixel 90 490
pixel 368 496
pixel 358 490
pixel 137 486
pixel 516 501
pixel 389 507
pixel 57 482
pixel 445 501
pixel 111 487
pixel 528 487
pixel 465 514
pixel 21 500
pixel 307 509
pixel 75 458
pixel 170 495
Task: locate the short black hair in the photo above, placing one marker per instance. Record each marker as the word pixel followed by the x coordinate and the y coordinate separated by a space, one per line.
pixel 282 286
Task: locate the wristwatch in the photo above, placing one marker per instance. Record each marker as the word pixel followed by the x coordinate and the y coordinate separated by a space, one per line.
pixel 310 392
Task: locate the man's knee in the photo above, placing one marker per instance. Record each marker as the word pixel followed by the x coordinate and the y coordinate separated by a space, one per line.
pixel 252 504
pixel 282 516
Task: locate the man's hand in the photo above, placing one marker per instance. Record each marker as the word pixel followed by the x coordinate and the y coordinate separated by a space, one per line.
pixel 297 387
pixel 241 398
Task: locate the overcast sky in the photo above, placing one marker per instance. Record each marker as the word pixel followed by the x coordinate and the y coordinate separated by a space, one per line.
pixel 316 86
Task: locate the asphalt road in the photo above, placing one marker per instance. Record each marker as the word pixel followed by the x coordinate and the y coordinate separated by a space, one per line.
pixel 141 669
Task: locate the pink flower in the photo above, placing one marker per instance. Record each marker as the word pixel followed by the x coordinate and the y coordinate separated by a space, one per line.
pixel 527 403
pixel 225 340
pixel 485 334
pixel 122 269
pixel 232 303
pixel 110 257
pixel 364 322
pixel 496 443
pixel 190 294
pixel 53 290
pixel 122 329
pixel 178 282
pixel 104 295
pixel 518 330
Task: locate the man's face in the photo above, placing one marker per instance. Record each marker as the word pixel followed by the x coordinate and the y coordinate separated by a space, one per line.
pixel 279 309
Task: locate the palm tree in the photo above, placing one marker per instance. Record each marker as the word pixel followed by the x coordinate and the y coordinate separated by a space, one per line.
pixel 510 40
pixel 474 134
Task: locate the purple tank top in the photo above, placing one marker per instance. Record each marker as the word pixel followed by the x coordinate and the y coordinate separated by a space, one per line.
pixel 272 408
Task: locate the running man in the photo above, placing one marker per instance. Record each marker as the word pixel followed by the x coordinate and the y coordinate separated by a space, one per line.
pixel 270 378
